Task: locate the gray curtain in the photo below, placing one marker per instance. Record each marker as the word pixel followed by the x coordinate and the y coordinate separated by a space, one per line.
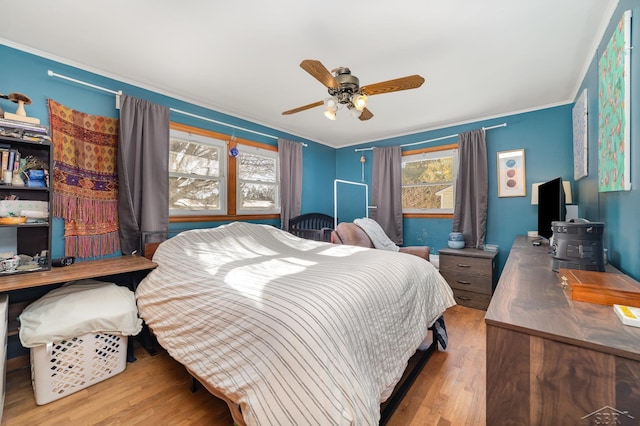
pixel 386 191
pixel 472 185
pixel 143 171
pixel 290 155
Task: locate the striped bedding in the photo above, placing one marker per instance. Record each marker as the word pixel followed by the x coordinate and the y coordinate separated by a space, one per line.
pixel 294 331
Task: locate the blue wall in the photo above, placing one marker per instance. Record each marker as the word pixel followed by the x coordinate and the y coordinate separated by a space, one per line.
pixel 618 210
pixel 545 135
pixel 27 73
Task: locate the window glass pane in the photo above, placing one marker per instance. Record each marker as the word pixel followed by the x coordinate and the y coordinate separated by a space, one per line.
pixel 257 168
pixel 257 196
pixel 193 194
pixel 194 158
pixel 428 170
pixel 427 197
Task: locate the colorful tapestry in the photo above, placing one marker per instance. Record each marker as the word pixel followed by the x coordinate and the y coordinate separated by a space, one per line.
pixel 614 74
pixel 85 180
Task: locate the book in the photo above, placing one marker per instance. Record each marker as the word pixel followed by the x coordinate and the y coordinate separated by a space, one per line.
pixel 628 314
pixel 5 160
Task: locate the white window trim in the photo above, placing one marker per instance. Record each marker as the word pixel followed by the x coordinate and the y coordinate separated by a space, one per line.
pixel 222 178
pixel 433 155
pixel 264 153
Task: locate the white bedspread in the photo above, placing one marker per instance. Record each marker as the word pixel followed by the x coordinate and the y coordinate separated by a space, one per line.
pixel 294 331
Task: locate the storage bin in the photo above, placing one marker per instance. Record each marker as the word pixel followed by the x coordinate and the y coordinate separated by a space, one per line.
pixel 65 367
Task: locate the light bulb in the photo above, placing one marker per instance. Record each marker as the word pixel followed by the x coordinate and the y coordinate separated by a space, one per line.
pixel 331 103
pixel 356 113
pixel 359 101
pixel 330 113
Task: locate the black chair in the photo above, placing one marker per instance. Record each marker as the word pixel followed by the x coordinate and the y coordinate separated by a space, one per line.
pixel 312 226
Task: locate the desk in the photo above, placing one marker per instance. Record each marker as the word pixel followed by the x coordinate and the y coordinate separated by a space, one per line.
pixel 77 271
pixel 553 360
pixel 136 266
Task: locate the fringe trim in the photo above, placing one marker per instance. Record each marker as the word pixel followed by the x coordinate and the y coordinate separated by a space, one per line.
pixel 92 245
pixel 73 208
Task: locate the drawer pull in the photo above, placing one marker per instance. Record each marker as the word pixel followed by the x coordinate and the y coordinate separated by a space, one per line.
pixel 464 298
pixel 462 265
pixel 464 282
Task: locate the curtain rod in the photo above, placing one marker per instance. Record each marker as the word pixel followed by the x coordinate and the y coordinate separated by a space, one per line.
pixel 119 92
pixel 435 139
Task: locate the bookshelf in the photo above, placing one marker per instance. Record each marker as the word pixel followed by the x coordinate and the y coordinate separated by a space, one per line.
pixel 32 237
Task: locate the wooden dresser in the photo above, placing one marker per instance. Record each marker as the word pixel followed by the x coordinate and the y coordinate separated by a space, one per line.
pixel 471 273
pixel 552 360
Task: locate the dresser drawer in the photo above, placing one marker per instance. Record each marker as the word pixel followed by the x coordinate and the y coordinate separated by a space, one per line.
pixel 466 264
pixel 472 299
pixel 468 282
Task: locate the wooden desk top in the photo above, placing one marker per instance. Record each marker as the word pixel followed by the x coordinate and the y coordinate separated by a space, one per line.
pixel 77 271
pixel 529 298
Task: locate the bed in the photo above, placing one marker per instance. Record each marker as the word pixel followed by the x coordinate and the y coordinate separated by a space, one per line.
pixel 288 330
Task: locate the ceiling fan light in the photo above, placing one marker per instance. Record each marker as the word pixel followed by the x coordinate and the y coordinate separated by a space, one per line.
pixel 330 113
pixel 359 101
pixel 331 103
pixel 356 113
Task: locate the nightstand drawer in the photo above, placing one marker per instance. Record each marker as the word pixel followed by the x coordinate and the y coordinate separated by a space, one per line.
pixel 466 264
pixel 468 282
pixel 472 299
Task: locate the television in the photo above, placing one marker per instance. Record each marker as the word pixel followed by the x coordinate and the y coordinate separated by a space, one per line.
pixel 551 206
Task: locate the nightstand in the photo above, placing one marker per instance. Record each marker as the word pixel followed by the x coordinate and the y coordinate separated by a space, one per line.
pixel 471 273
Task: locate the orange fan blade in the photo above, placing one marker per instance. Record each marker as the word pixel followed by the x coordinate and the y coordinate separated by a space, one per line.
pixel 366 114
pixel 404 83
pixel 302 108
pixel 319 72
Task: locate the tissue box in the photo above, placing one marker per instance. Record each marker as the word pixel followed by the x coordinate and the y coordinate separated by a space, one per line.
pixel 15 207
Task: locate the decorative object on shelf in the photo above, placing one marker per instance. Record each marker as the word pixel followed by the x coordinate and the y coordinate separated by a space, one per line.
pixel 12 220
pixel 20 114
pixel 580 145
pixel 85 188
pixel 10 265
pixel 16 180
pixel 511 174
pixel 456 240
pixel 21 100
pixel 614 112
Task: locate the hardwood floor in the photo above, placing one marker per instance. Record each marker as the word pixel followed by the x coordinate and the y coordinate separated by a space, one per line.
pixel 155 390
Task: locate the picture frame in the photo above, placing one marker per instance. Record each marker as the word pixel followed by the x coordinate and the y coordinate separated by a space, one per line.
pixel 511 173
pixel 580 133
pixel 614 117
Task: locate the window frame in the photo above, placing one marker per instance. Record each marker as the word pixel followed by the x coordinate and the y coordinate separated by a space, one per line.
pixel 428 153
pixel 258 151
pixel 222 177
pixel 231 179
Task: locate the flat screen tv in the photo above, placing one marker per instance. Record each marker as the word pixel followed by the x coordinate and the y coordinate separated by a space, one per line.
pixel 551 206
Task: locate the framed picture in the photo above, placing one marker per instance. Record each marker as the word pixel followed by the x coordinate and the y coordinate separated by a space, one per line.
pixel 511 174
pixel 580 147
pixel 614 117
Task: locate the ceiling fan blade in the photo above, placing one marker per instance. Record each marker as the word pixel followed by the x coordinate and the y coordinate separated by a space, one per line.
pixel 404 83
pixel 302 108
pixel 366 114
pixel 319 72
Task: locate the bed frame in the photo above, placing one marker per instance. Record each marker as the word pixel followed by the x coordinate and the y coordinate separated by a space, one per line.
pixel 415 365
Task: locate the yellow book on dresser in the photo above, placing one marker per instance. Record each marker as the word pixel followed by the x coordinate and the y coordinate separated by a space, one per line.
pixel 628 314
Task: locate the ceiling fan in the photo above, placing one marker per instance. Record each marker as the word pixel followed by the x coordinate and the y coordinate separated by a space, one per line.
pixel 345 90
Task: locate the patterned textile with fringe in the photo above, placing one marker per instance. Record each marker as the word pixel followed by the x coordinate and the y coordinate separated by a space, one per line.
pixel 85 180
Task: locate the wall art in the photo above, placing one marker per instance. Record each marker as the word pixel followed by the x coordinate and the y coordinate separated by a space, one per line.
pixel 511 174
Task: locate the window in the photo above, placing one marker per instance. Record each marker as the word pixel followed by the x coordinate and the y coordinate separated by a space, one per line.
pixel 428 180
pixel 197 174
pixel 258 180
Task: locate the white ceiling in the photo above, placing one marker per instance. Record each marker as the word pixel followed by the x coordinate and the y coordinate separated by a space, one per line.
pixel 480 59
